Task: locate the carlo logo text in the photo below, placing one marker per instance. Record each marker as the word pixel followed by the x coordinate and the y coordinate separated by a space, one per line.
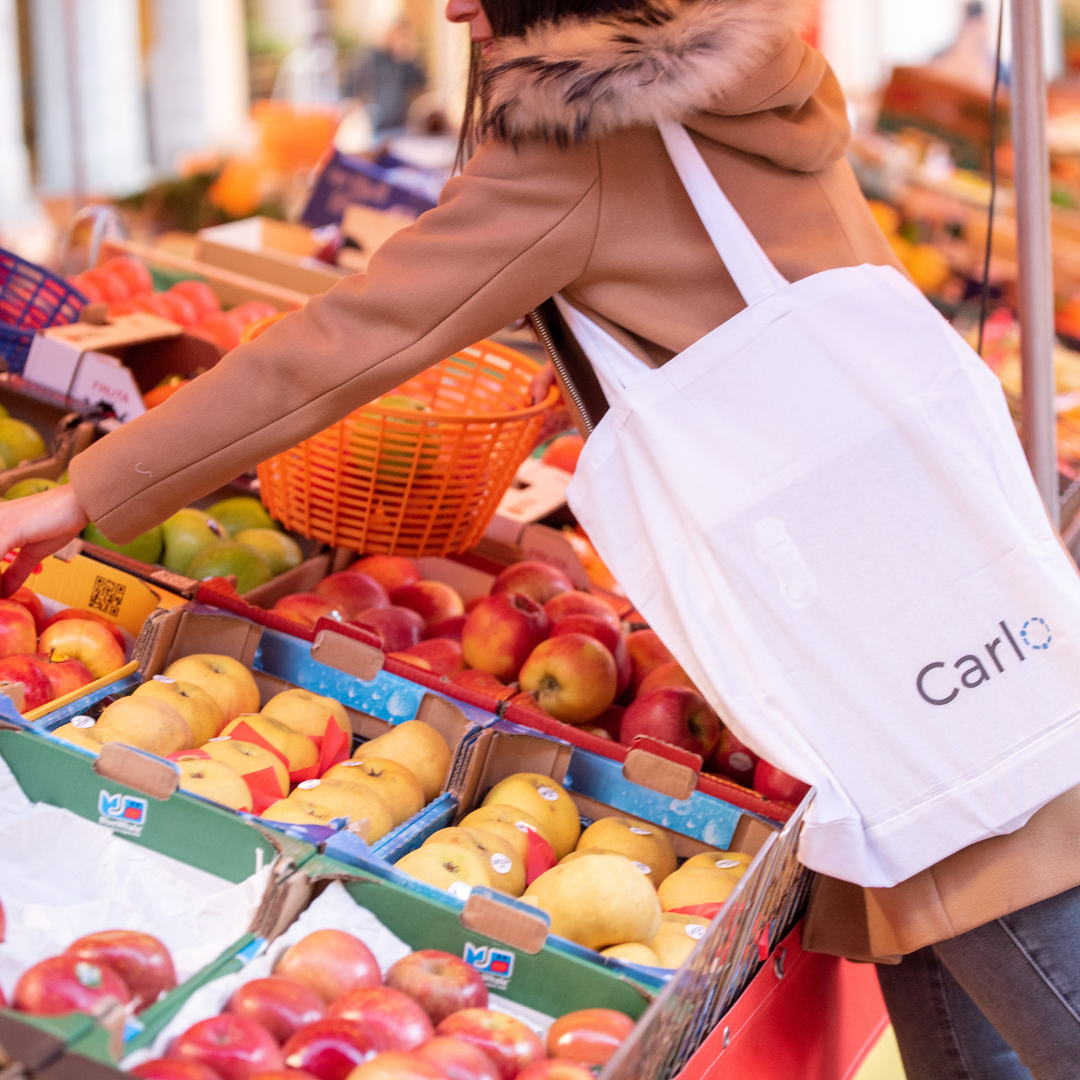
pixel 994 659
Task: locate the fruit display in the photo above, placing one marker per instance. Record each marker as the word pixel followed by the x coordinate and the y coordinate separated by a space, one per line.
pixel 527 840
pixel 327 1012
pixel 125 285
pixel 286 759
pixel 234 537
pixel 131 967
pixel 52 657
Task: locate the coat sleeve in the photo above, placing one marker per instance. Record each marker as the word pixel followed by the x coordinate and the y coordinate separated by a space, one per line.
pixel 516 227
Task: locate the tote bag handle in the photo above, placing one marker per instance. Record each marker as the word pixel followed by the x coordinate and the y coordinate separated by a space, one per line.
pixel 750 268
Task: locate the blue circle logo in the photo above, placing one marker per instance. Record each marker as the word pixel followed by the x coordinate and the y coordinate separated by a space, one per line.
pixel 1035 633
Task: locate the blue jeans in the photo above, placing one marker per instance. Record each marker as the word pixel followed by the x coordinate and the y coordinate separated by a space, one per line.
pixel 1001 1002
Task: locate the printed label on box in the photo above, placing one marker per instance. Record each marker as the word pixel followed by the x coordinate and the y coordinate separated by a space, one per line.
pixel 496 966
pixel 123 813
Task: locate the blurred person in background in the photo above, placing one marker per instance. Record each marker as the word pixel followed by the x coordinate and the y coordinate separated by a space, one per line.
pixel 389 79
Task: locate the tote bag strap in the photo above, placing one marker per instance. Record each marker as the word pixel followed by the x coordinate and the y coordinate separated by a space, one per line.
pixel 750 268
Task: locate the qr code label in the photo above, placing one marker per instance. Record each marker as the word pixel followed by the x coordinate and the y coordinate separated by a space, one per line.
pixel 107 596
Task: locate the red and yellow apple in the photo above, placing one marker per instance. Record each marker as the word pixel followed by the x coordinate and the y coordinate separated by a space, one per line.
pixel 330 1049
pixel 647 652
pixel 608 636
pixel 588 1036
pixel 501 632
pixel 398 1065
pixel 351 592
pixel 92 616
pixel 443 656
pixel 83 640
pixel 32 602
pixel 65 676
pixel 139 959
pixel 675 714
pixel 484 683
pixel 281 1006
pixel 399 627
pixel 28 670
pixel 536 580
pixel 390 1019
pixel 774 784
pixel 669 674
pixel 330 963
pixel 451 628
pixel 64 984
pixel 511 1046
pixel 439 982
pixel 581 603
pixel 572 676
pixel 234 1047
pixel 390 571
pixel 433 601
pixel 459 1060
pixel 307 608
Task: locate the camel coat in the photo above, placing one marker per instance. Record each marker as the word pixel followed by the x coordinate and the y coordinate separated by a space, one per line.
pixel 571 190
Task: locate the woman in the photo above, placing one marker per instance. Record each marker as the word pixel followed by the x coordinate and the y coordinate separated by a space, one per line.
pixel 570 189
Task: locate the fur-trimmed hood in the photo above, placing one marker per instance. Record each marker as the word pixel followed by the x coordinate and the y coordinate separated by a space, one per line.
pixel 581 77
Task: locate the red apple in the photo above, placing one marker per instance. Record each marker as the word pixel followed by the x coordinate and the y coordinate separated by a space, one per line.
pixel 233 1046
pixel 528 701
pixel 329 1049
pixel 556 1070
pixel 588 1036
pixel 18 634
pixel 581 603
pixel 390 571
pixel 677 715
pixel 536 580
pixel 399 627
pixel 395 1065
pixel 572 676
pixel 32 602
pixel 501 632
pixel 285 1074
pixel 506 1040
pixel 64 984
pixel 448 628
pixel 460 1060
pixel 171 1069
pixel 331 963
pixel 484 683
pixel 282 1006
pixel 93 616
pixel 669 674
pixel 439 982
pixel 442 655
pixel 351 593
pixel 733 759
pixel 647 651
pixel 37 689
pixel 609 721
pixel 82 639
pixel 774 784
pixel 307 608
pixel 139 959
pixel 65 676
pixel 391 1019
pixel 433 601
pixel 608 636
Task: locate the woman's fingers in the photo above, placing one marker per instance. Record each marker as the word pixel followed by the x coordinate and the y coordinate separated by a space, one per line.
pixel 542 382
pixel 36 526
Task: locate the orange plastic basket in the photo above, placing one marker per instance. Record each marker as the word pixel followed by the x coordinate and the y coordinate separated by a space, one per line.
pixel 399 481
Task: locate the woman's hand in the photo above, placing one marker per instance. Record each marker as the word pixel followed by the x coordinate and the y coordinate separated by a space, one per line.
pixel 542 382
pixel 38 525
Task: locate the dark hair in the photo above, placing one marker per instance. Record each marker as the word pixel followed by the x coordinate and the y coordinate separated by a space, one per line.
pixel 512 18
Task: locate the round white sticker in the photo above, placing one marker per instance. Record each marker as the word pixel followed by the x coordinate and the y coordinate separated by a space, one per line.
pixel 307 785
pixel 522 827
pixel 163 678
pixel 221 738
pixel 501 864
pixel 459 890
pixel 640 832
pixel 548 793
pixel 741 762
pixel 351 764
pixel 642 867
pixel 83 722
pixel 727 864
pixel 695 930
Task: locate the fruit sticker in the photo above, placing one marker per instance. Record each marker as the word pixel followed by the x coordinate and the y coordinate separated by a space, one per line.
pixel 88 974
pixel 548 793
pixel 695 930
pixel 501 864
pixel 83 722
pixel 307 785
pixel 459 890
pixel 727 864
pixel 640 832
pixel 642 867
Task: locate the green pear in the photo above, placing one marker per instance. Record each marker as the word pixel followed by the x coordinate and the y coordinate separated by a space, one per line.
pixel 185 534
pixel 145 548
pixel 227 557
pixel 279 549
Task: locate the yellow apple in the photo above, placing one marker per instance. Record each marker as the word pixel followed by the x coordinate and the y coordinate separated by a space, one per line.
pixel 640 867
pixel 353 801
pixel 214 780
pixel 146 723
pixel 193 703
pixel 508 822
pixel 506 870
pixel 306 712
pixel 246 757
pixel 634 952
pixel 734 862
pixel 417 746
pixel 299 750
pixel 226 680
pixel 398 788
pixel 597 901
pixel 79 736
pixel 547 801
pixel 639 841
pixel 83 640
pixel 693 885
pixel 444 865
pixel 677 937
pixel 300 811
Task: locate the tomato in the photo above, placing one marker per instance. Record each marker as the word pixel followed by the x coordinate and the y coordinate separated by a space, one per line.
pixel 181 308
pixel 251 310
pixel 134 273
pixel 200 295
pixel 111 285
pixel 152 304
pixel 588 1036
pixel 218 329
pixel 88 287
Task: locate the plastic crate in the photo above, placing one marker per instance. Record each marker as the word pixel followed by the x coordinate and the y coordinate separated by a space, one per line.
pixel 15 342
pixel 33 298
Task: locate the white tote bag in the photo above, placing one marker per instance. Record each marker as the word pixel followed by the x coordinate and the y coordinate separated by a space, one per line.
pixel 823 509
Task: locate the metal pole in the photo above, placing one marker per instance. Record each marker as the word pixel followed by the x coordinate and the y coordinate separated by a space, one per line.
pixel 1036 279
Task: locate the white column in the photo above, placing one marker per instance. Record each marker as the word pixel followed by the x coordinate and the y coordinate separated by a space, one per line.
pixel 109 91
pixel 15 198
pixel 198 78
